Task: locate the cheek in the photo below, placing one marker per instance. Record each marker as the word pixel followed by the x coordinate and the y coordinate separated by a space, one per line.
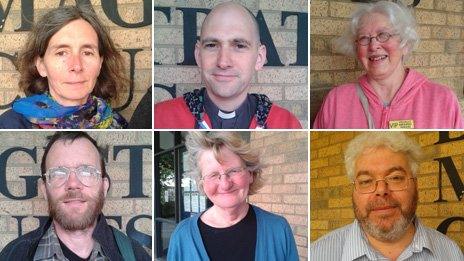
pixel 209 189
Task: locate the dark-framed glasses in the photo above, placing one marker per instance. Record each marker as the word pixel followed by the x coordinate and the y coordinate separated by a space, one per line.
pixel 86 174
pixel 367 184
pixel 381 38
pixel 231 173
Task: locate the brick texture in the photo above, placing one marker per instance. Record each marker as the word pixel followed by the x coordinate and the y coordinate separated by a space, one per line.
pixel 286 86
pixel 330 194
pixel 438 56
pixel 21 164
pixel 285 192
pixel 130 11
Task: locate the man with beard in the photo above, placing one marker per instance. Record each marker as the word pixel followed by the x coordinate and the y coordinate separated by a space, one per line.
pixel 75 184
pixel 382 167
pixel 229 52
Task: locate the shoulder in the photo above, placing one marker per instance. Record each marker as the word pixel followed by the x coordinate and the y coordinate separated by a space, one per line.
pixel 280 118
pixel 332 242
pixel 184 228
pixel 13 120
pixel 339 92
pixel 268 216
pixel 441 242
pixel 173 114
pixel 21 247
pixel 429 86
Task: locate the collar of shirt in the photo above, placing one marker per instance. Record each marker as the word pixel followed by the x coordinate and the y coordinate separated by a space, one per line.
pixel 49 248
pixel 356 244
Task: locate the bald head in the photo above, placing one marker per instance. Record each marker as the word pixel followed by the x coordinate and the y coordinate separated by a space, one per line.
pixel 229 15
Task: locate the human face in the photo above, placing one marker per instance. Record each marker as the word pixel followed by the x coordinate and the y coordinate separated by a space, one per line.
pixel 71 63
pixel 228 54
pixel 380 60
pixel 228 193
pixel 385 214
pixel 74 206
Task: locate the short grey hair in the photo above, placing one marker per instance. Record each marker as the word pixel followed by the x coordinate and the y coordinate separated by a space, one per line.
pixel 199 141
pixel 400 17
pixel 393 140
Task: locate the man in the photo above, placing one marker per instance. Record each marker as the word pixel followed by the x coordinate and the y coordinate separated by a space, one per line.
pixel 228 53
pixel 75 184
pixel 383 168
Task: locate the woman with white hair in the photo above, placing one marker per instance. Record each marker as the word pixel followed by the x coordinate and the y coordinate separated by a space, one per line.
pixel 227 171
pixel 382 35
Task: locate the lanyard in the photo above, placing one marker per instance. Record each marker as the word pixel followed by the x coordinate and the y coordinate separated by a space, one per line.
pixel 365 105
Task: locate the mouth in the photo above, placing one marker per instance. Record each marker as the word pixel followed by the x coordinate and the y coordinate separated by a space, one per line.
pixel 221 77
pixel 75 82
pixel 377 58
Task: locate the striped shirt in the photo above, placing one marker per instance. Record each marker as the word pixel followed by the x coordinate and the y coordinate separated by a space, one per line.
pixel 349 243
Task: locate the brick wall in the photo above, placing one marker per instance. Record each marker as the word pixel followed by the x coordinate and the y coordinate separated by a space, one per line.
pixel 125 38
pixel 285 192
pixel 330 197
pixel 20 165
pixel 440 54
pixel 287 85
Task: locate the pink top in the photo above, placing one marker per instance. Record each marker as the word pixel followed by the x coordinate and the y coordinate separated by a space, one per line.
pixel 429 105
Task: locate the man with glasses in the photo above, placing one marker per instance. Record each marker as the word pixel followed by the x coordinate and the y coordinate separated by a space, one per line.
pixel 382 167
pixel 75 184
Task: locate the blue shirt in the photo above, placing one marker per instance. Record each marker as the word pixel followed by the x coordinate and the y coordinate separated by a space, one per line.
pixel 274 239
pixel 349 243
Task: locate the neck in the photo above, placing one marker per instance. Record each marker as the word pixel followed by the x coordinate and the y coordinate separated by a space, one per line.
pixel 80 241
pixel 386 87
pixel 392 250
pixel 225 217
pixel 227 104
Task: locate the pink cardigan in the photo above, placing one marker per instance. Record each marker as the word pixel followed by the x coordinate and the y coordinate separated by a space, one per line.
pixel 428 104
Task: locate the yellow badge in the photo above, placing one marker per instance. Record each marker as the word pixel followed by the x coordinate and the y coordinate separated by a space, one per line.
pixel 401 124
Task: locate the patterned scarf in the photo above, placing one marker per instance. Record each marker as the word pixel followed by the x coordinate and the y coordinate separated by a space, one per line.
pixel 45 113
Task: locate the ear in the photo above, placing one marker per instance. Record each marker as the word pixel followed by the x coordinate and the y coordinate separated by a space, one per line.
pixel 197 54
pixel 261 59
pixel 42 188
pixel 106 185
pixel 39 64
pixel 251 177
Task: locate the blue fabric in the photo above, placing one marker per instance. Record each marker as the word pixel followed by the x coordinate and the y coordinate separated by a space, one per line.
pixel 349 243
pixel 274 240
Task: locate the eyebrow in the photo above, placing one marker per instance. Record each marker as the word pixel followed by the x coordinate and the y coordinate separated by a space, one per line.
pixel 389 171
pixel 215 40
pixel 85 46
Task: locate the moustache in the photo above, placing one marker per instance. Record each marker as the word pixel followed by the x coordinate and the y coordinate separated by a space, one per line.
pixel 382 203
pixel 73 195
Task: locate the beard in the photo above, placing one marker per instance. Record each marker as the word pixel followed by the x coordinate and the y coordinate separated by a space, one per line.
pixel 383 232
pixel 81 222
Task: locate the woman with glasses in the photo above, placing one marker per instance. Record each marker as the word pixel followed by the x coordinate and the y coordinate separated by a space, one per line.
pixel 382 36
pixel 227 171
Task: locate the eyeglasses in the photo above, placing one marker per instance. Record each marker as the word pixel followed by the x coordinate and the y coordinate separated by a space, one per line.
pixel 366 184
pixel 381 38
pixel 87 175
pixel 232 173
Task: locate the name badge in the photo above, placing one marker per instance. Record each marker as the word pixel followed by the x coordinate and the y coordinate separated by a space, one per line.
pixel 401 124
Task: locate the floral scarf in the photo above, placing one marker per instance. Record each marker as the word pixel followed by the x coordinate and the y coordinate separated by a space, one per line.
pixel 45 113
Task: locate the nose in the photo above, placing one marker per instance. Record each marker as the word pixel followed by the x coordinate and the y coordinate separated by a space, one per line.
pixel 382 188
pixel 75 63
pixel 225 182
pixel 374 44
pixel 73 182
pixel 224 60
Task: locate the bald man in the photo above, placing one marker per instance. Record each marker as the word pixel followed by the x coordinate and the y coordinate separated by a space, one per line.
pixel 228 54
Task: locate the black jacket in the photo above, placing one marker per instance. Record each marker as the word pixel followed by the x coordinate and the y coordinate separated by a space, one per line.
pixel 24 247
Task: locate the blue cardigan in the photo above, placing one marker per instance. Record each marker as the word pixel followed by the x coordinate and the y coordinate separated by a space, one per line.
pixel 274 239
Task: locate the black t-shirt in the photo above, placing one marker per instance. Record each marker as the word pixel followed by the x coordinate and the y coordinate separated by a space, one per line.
pixel 69 254
pixel 237 242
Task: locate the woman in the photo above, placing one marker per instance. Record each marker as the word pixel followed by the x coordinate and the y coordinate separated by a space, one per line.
pixel 382 35
pixel 69 70
pixel 227 172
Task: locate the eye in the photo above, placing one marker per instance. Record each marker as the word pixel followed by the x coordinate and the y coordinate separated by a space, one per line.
pixel 58 173
pixel 88 53
pixel 209 45
pixel 365 181
pixel 60 53
pixel 396 178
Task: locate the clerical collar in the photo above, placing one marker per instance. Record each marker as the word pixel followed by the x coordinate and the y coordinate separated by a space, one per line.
pixel 237 119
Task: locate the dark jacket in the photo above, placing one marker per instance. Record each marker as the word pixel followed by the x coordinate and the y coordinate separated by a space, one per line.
pixel 24 247
pixel 13 120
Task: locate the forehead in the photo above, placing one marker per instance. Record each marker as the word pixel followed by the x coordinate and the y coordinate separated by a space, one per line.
pixel 72 153
pixel 373 22
pixel 76 32
pixel 208 162
pixel 377 161
pixel 230 22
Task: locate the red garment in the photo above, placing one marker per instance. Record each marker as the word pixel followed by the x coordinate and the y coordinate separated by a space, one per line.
pixel 174 114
